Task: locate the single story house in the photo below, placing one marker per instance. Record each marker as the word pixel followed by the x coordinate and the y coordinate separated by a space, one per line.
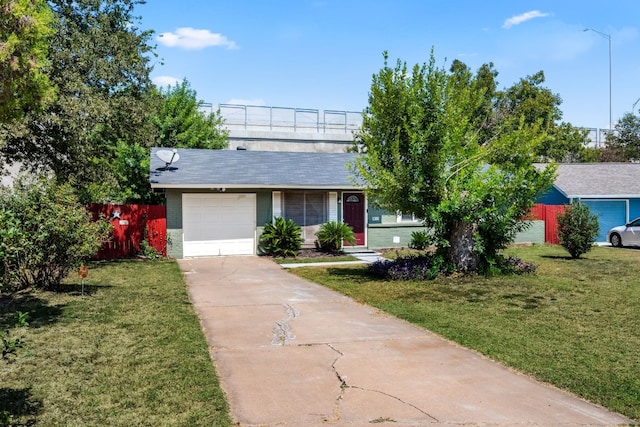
pixel 219 200
pixel 610 190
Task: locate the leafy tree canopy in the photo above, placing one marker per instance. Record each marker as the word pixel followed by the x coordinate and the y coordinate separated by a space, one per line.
pixel 527 100
pixel 181 123
pixel 623 145
pixel 25 27
pixel 421 152
pixel 99 61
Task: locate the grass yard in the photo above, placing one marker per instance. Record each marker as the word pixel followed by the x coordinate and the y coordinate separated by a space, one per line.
pixel 130 352
pixel 573 323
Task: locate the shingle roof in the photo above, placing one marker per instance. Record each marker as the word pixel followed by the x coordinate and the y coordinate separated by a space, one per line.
pixel 252 169
pixel 599 180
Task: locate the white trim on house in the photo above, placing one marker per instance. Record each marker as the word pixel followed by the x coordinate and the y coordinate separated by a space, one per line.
pixel 333 206
pixel 218 187
pixel 400 218
pixel 276 203
pixel 604 196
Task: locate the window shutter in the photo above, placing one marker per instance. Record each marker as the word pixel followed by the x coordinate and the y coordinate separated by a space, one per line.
pixel 276 198
pixel 333 206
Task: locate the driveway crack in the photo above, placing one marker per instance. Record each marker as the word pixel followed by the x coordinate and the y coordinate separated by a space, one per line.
pixel 282 334
pixel 344 386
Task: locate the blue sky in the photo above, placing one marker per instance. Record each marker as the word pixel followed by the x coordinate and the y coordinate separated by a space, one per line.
pixel 321 54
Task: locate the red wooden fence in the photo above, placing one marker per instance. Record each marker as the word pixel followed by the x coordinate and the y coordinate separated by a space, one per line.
pixel 130 224
pixel 548 214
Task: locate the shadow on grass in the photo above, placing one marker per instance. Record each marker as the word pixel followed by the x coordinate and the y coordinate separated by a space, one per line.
pixel 40 313
pixel 359 274
pixel 78 289
pixel 18 403
pixel 564 257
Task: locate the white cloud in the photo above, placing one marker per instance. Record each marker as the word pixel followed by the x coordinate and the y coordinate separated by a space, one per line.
pixel 194 39
pixel 519 19
pixel 164 81
pixel 239 101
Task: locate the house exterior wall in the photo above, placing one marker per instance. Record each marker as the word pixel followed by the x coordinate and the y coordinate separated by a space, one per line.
pixel 396 235
pixel 533 234
pixel 634 209
pixel 383 228
pixel 174 223
pixel 553 197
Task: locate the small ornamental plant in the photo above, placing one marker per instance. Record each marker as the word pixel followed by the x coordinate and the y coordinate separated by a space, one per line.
pixel 281 238
pixel 420 240
pixel 332 235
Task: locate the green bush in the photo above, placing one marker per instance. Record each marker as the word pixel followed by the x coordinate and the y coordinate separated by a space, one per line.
pixel 332 235
pixel 44 233
pixel 577 229
pixel 282 238
pixel 420 240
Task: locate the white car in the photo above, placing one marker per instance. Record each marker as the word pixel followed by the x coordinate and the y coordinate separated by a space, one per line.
pixel 625 235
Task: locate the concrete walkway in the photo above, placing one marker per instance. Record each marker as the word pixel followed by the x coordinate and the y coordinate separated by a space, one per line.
pixel 365 257
pixel 292 353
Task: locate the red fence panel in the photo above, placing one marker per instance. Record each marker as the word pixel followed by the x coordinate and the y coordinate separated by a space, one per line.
pixel 551 223
pixel 536 212
pixel 131 224
pixel 548 214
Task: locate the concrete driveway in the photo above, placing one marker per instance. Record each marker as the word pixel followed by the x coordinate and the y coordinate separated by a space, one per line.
pixel 292 353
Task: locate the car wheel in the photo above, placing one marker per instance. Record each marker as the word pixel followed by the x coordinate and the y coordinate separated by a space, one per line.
pixel 616 240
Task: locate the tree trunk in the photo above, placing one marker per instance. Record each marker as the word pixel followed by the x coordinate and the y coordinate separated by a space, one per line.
pixel 460 251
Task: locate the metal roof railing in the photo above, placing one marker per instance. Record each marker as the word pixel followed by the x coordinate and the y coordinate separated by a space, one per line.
pixel 284 119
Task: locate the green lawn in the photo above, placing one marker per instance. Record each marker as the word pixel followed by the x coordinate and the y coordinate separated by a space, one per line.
pixel 573 323
pixel 130 352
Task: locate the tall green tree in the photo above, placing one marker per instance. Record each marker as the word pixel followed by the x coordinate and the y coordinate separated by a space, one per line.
pixel 623 145
pixel 25 28
pixel 180 122
pixel 99 61
pixel 530 101
pixel 420 153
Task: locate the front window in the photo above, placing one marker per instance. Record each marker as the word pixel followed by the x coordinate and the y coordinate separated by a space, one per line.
pixel 308 209
pixel 406 217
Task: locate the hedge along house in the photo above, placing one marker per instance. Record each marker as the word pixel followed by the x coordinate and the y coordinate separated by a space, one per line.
pixel 219 200
pixel 610 190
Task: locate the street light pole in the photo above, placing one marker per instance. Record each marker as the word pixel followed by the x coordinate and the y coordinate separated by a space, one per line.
pixel 608 37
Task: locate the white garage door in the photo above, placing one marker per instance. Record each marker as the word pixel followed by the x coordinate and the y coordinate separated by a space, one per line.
pixel 218 224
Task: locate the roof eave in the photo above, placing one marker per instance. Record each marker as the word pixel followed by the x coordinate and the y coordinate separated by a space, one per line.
pixel 604 196
pixel 215 186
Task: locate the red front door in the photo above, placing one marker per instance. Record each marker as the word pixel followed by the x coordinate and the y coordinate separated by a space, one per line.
pixel 353 214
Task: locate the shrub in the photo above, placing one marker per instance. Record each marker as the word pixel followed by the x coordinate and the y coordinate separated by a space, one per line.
pixel 517 266
pixel 420 240
pixel 577 229
pixel 282 238
pixel 332 234
pixel 44 233
pixel 412 267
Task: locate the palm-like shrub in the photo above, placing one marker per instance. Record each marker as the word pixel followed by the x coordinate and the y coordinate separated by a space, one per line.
pixel 281 238
pixel 332 234
pixel 420 240
pixel 577 229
